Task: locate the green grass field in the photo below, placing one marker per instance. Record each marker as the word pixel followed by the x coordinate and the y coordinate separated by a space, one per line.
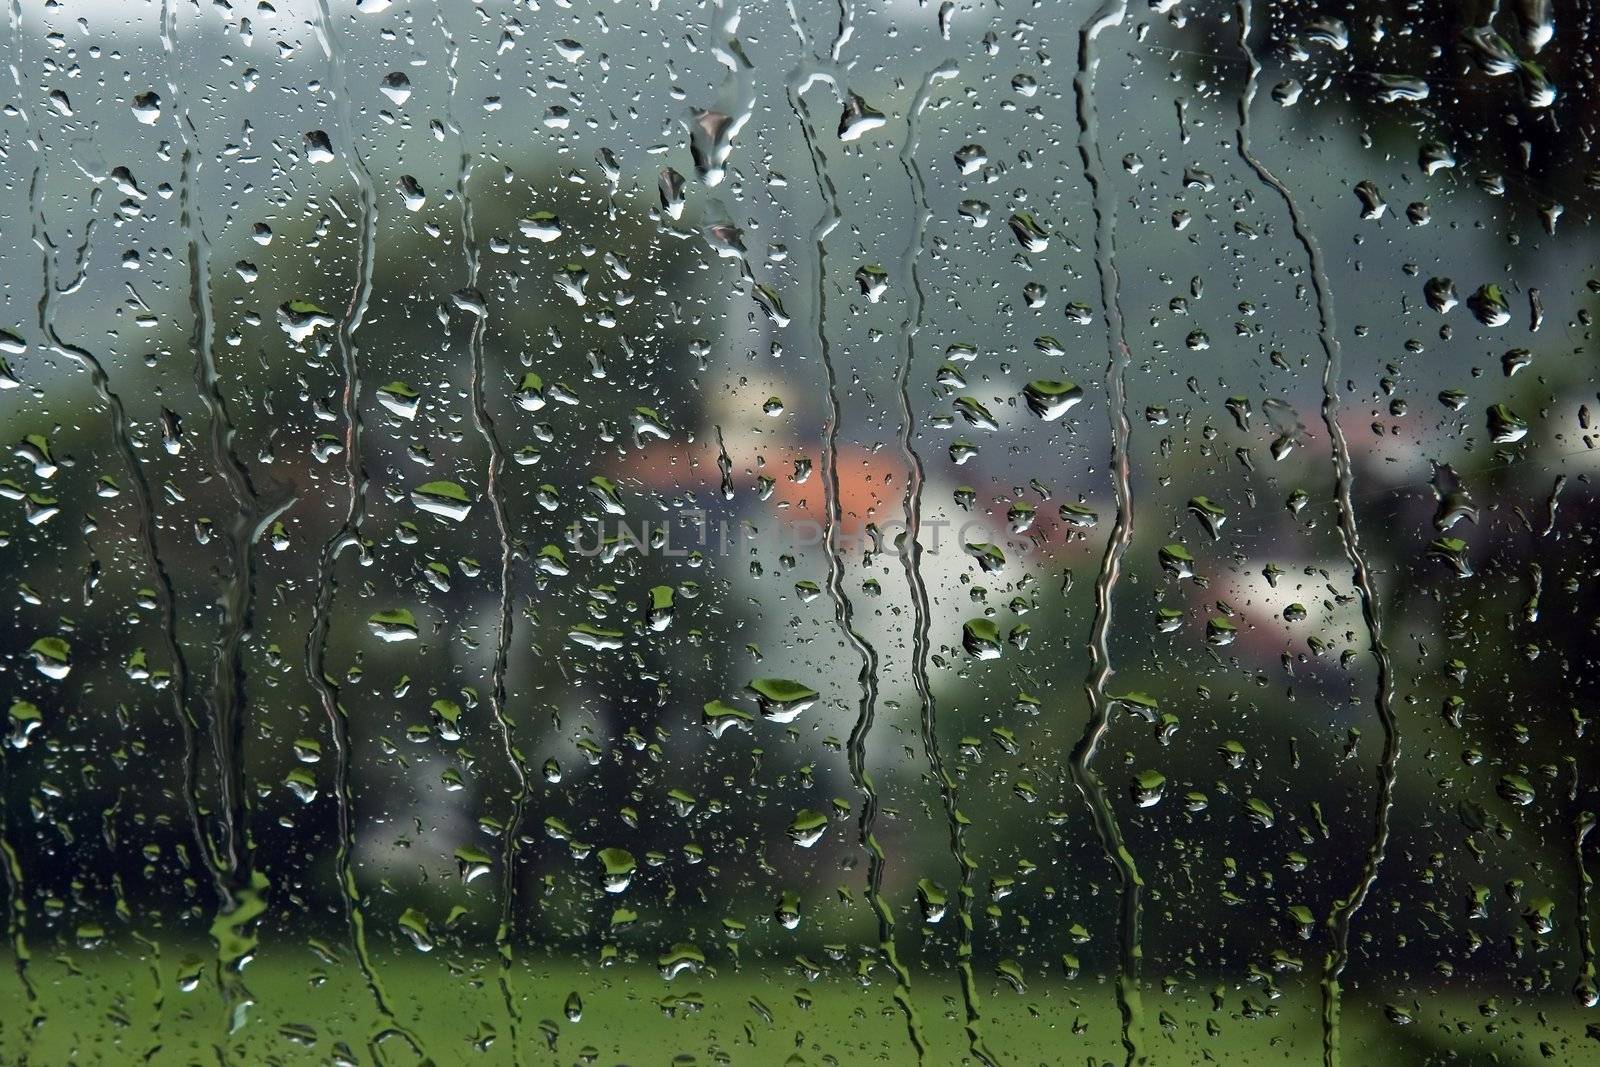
pixel 126 1004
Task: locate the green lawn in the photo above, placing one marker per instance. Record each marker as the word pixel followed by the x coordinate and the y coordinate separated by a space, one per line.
pixel 113 1006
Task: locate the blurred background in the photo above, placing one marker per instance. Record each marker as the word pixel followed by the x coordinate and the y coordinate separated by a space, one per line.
pixel 457 532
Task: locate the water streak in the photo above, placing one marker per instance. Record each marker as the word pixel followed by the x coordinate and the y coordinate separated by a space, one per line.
pixel 349 532
pixel 843 607
pixel 227 688
pixel 145 522
pixel 16 894
pixel 724 467
pixel 233 928
pixel 910 555
pixel 1084 776
pixel 739 86
pixel 1343 912
pixel 1584 987
pixel 158 995
pixel 801 78
pixel 484 421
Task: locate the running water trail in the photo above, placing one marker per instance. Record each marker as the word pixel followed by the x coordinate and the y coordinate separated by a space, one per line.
pixel 472 300
pixel 910 550
pixel 144 518
pixel 348 534
pixel 1344 910
pixel 1088 781
pixel 144 501
pixel 845 30
pixel 1584 987
pixel 799 81
pixel 16 899
pixel 144 514
pixel 15 18
pixel 158 994
pixel 739 91
pixel 724 467
pixel 233 927
pixel 16 888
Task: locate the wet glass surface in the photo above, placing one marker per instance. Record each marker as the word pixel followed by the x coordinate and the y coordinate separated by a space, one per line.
pixel 1000 533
